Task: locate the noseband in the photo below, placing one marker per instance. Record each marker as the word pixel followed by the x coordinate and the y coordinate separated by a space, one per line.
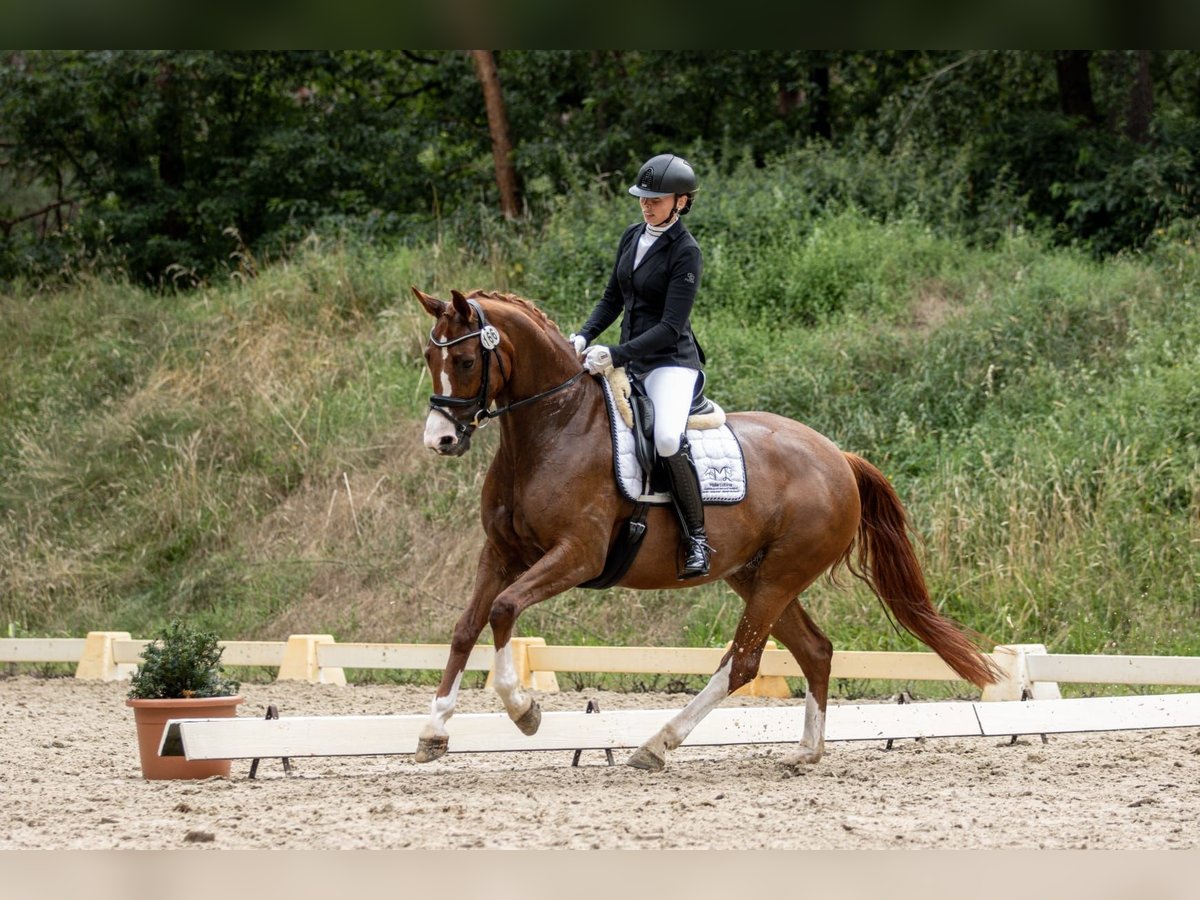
pixel 489 340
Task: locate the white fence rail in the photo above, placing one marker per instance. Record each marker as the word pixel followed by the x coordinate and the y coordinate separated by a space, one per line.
pixel 251 738
pixel 1081 669
pixel 36 650
pixel 1030 671
pixel 236 653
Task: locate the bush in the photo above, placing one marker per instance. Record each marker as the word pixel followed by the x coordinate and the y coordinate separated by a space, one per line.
pixel 181 663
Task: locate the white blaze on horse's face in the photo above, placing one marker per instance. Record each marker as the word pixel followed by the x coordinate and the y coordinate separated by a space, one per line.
pixel 446 386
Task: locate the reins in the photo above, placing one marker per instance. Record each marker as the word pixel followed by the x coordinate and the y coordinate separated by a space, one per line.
pixel 489 340
pixel 496 413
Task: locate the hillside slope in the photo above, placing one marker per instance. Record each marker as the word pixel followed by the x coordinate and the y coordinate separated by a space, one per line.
pixel 249 456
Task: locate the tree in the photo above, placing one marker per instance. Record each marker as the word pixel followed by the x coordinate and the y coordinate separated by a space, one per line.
pixel 156 158
pixel 506 174
pixel 1140 107
pixel 1075 85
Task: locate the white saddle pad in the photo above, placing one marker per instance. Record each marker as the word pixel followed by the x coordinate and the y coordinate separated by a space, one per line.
pixel 716 452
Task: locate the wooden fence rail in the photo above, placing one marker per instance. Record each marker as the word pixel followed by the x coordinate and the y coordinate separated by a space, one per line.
pixel 1030 672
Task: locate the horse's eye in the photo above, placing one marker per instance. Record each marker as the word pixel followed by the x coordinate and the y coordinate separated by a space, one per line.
pixel 466 365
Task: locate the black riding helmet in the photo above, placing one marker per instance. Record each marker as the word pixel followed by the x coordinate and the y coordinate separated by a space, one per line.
pixel 663 175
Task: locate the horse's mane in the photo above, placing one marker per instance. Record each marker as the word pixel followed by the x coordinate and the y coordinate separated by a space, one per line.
pixel 527 306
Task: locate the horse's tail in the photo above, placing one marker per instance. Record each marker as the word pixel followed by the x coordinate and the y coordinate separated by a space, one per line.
pixel 889 565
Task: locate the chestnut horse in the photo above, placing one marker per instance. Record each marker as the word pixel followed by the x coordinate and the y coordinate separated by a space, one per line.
pixel 551 510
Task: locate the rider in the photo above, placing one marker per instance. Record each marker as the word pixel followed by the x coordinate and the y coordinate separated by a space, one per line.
pixel 654 283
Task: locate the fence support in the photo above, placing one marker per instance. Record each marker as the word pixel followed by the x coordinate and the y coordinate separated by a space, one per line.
pixel 300 661
pixel 1016 683
pixel 98 661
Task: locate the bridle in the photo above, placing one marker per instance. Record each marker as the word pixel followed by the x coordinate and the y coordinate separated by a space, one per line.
pixel 477 406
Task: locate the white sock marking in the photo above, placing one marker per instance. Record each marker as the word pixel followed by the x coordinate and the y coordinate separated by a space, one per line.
pixel 442 710
pixel 508 687
pixel 814 724
pixel 676 731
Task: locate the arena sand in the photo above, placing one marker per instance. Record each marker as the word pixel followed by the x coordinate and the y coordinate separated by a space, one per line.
pixel 69 779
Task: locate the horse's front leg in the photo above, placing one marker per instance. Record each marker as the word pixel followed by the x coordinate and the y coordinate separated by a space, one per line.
pixel 490 579
pixel 563 566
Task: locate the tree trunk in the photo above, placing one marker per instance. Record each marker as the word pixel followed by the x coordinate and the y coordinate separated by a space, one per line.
pixel 168 128
pixel 1075 85
pixel 1141 100
pixel 818 80
pixel 506 174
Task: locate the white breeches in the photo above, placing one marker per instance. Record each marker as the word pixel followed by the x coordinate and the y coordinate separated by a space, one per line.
pixel 670 388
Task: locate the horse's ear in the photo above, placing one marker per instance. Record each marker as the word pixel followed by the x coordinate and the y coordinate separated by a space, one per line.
pixel 461 306
pixel 433 305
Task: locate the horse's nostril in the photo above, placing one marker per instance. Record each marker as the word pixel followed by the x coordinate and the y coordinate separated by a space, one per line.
pixel 446 440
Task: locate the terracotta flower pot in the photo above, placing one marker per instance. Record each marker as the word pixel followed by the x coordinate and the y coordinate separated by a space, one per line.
pixel 151 718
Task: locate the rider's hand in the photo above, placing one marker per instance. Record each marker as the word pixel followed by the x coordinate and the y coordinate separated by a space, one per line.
pixel 579 342
pixel 598 360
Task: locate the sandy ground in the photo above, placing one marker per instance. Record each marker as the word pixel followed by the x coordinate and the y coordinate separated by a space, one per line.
pixel 69 778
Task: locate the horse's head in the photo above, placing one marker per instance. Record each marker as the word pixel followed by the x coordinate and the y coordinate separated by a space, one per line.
pixel 464 359
pixel 474 362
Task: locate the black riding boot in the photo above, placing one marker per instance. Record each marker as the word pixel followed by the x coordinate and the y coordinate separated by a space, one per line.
pixel 685 490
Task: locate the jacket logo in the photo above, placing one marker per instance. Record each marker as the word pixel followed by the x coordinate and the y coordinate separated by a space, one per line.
pixel 690 277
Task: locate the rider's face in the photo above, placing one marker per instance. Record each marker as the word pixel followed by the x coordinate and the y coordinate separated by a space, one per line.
pixel 657 210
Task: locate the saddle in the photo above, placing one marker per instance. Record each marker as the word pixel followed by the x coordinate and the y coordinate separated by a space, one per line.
pixel 639 475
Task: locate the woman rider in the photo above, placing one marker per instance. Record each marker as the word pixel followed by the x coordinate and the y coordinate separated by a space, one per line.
pixel 654 284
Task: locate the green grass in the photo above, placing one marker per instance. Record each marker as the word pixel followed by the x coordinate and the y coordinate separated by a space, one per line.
pixel 249 455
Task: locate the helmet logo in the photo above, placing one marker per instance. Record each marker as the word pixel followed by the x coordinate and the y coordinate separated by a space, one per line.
pixel 647 179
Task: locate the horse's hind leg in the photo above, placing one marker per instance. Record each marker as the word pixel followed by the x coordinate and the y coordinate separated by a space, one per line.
pixel 814 652
pixel 652 755
pixel 738 667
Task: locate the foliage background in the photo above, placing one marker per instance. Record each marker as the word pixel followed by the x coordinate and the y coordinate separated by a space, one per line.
pixel 172 164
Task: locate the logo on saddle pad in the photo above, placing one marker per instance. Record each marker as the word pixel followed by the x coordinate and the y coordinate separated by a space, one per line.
pixel 720 478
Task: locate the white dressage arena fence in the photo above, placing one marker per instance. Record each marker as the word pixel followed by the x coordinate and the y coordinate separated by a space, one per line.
pixel 1030 674
pixel 1029 670
pixel 251 738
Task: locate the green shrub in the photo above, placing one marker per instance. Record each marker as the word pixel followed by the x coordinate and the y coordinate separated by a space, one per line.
pixel 181 663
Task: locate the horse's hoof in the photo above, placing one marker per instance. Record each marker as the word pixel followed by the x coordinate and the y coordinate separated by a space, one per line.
pixel 805 756
pixel 531 720
pixel 429 749
pixel 646 760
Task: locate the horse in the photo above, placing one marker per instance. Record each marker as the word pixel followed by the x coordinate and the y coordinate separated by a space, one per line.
pixel 551 510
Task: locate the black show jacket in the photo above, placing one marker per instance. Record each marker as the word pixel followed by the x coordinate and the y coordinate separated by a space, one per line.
pixel 656 299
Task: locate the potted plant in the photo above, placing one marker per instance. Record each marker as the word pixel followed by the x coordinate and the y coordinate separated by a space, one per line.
pixel 180 677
